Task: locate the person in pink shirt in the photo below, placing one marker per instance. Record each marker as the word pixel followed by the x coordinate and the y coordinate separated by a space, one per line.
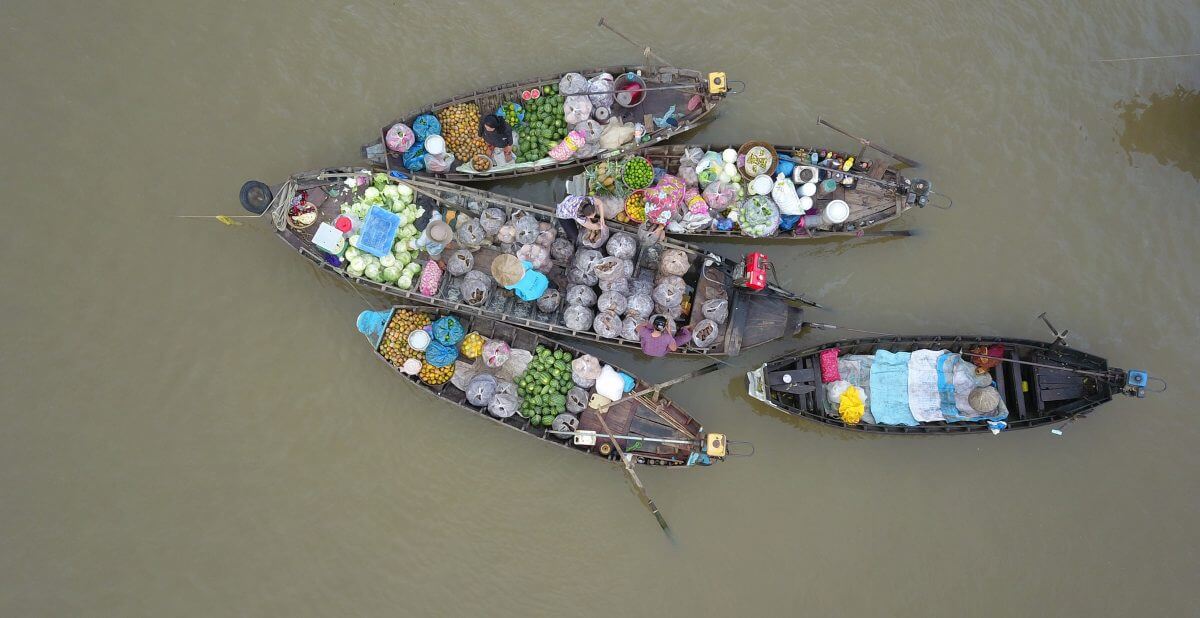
pixel 655 339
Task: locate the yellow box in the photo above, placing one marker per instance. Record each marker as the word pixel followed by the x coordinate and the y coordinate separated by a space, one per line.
pixel 714 445
pixel 716 82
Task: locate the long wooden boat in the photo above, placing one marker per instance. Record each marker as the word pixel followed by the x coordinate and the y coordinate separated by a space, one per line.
pixel 666 88
pixel 1039 383
pixel 877 194
pixel 651 428
pixel 754 317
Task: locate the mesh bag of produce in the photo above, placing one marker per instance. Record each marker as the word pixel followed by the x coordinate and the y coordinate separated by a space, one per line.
pixel 612 302
pixel 481 390
pixel 566 423
pixel 705 335
pixel 586 366
pixel 496 353
pixel 758 216
pixel 594 241
pixel 669 293
pixel 526 226
pixel 562 249
pixel 577 400
pixel 619 285
pixel 440 162
pixel 715 309
pixel 578 276
pixel 583 382
pixel 440 355
pixel 549 302
pixel 587 259
pixel 576 109
pixel 610 268
pixel 517 362
pixel 622 245
pixel 474 291
pixel 537 256
pixel 719 196
pixel 460 262
pixel 546 235
pixel 591 132
pixel 639 305
pixel 507 234
pixel 607 324
pixel 470 233
pixel 505 387
pixel 672 313
pixel 492 220
pixel 463 372
pixel 629 328
pixel 503 405
pixel 641 286
pixel 673 262
pixel 578 317
pixel 572 83
pixel 581 295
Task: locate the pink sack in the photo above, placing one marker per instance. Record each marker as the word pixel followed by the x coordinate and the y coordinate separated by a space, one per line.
pixel 695 202
pixel 829 367
pixel 431 277
pixel 566 148
pixel 400 138
pixel 664 199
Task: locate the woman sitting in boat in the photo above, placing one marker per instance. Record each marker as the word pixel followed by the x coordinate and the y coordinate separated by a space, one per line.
pixel 513 273
pixel 576 210
pixel 655 339
pixel 497 134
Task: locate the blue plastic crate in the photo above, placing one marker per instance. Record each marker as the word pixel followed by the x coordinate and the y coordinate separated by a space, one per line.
pixel 378 232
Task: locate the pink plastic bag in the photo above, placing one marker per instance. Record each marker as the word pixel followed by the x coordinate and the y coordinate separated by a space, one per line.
pixel 664 199
pixel 566 149
pixel 400 138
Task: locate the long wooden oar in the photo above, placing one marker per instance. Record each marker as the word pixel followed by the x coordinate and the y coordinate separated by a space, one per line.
pixel 868 144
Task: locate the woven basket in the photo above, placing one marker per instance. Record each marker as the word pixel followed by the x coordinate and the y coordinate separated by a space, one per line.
pixel 741 162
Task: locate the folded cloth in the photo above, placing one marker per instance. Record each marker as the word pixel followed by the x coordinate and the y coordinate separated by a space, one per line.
pixel 924 395
pixel 889 389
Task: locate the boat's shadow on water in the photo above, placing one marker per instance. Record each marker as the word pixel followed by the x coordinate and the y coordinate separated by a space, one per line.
pixel 1165 127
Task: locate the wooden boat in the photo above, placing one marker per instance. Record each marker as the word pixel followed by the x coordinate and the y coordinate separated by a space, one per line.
pixel 651 428
pixel 666 87
pixel 1039 383
pixel 754 317
pixel 879 194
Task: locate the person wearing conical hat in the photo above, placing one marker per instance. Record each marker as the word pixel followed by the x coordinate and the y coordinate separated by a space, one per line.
pixel 513 273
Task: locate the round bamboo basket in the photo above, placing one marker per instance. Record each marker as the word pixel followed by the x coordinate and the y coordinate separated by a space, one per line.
pixel 745 149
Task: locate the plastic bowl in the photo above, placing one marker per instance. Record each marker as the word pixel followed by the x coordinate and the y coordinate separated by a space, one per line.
pixel 435 144
pixel 418 340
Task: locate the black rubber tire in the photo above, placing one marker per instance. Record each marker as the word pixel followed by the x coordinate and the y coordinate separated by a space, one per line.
pixel 255 196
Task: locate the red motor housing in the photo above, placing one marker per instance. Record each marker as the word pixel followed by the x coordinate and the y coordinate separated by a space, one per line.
pixel 752 272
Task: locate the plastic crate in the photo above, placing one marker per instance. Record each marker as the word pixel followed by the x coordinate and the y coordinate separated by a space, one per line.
pixel 378 232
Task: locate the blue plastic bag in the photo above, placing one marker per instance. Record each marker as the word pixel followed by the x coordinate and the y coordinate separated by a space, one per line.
pixel 629 381
pixel 447 330
pixel 414 158
pixel 788 222
pixel 426 125
pixel 440 355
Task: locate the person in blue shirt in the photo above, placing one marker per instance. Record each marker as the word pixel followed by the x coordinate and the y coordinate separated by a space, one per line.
pixel 513 273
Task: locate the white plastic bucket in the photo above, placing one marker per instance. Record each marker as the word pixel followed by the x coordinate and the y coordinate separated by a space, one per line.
pixel 808 189
pixel 761 185
pixel 835 212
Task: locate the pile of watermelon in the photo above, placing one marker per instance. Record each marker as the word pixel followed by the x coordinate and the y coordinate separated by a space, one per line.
pixel 543 386
pixel 543 127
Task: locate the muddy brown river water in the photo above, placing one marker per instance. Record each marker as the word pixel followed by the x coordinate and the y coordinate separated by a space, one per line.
pixel 191 425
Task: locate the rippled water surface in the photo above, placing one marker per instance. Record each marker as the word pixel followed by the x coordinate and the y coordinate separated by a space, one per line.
pixel 191 425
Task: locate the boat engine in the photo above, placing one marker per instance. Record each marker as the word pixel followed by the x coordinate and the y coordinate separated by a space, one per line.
pixel 751 272
pixel 918 192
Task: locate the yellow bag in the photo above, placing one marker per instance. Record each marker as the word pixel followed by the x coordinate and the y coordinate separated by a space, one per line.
pixel 851 408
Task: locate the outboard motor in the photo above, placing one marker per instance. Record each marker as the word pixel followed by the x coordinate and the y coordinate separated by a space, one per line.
pixel 917 192
pixel 751 272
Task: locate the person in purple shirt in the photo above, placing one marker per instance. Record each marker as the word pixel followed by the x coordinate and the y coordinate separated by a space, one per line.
pixel 656 341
